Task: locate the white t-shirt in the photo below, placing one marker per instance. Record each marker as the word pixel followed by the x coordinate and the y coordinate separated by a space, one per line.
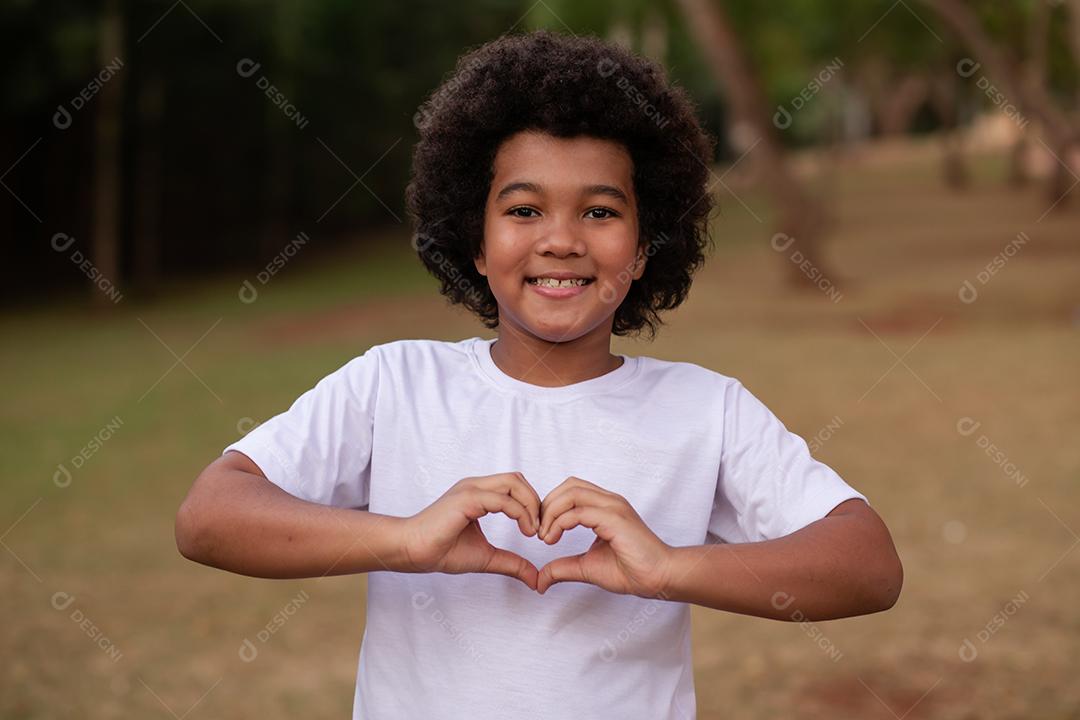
pixel 699 457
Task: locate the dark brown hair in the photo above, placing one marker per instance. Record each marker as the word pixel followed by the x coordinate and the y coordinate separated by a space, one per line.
pixel 565 86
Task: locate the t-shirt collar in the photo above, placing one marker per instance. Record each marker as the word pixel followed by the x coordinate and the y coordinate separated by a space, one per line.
pixel 481 351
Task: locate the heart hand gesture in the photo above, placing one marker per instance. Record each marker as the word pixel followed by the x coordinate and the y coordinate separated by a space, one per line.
pixel 627 557
pixel 446 537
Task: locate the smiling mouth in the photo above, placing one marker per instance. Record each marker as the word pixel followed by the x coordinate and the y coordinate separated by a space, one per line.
pixel 553 283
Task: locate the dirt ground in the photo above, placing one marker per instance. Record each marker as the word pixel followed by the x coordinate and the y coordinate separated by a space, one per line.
pixel 958 420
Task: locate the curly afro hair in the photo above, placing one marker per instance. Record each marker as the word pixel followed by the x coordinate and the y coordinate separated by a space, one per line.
pixel 564 86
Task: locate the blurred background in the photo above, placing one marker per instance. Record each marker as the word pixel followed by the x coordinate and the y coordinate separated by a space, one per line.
pixel 202 211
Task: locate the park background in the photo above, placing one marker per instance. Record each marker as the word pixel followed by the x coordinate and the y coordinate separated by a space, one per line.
pixel 202 214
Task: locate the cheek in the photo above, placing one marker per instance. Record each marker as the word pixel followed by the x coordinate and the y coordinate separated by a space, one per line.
pixel 617 258
pixel 504 257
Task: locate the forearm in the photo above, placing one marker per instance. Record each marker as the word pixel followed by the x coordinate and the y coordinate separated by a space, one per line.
pixel 839 566
pixel 248 525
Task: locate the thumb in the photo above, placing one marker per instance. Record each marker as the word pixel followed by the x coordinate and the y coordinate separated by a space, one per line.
pixel 504 562
pixel 564 569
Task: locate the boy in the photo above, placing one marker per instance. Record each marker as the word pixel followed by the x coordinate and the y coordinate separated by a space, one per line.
pixel 537 513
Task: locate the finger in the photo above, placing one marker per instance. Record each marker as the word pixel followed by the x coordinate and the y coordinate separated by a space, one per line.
pixel 564 569
pixel 599 519
pixel 520 489
pixel 504 562
pixel 580 482
pixel 571 497
pixel 575 481
pixel 517 487
pixel 566 486
pixel 478 503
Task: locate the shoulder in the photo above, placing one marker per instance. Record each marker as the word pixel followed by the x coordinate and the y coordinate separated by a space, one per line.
pixel 411 356
pixel 399 363
pixel 687 389
pixel 696 390
pixel 677 374
pixel 420 350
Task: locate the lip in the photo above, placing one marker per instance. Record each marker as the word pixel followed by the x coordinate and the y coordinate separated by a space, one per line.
pixel 558 293
pixel 561 275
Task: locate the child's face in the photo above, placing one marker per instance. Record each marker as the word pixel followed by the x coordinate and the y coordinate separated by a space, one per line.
pixel 560 205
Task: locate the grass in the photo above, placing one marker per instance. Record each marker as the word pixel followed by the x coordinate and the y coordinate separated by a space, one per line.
pixel 900 248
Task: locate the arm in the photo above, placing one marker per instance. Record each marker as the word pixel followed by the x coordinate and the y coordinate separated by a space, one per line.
pixel 235 519
pixel 842 565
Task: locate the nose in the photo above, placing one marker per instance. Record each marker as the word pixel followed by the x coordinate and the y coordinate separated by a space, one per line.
pixel 561 239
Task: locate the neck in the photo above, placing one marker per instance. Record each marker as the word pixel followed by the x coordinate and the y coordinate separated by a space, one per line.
pixel 530 359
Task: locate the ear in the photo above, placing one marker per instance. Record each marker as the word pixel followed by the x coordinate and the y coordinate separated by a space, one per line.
pixel 639 262
pixel 480 261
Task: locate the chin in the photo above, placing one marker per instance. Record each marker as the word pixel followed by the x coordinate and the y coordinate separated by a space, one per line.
pixel 557 332
pixel 558 326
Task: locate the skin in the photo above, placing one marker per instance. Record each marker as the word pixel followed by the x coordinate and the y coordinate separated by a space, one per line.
pixel 446 537
pixel 554 204
pixel 559 204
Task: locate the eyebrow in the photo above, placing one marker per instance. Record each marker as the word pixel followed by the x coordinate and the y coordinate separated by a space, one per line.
pixel 609 190
pixel 518 187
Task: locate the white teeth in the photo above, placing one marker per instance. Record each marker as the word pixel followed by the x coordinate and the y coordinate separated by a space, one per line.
pixel 553 283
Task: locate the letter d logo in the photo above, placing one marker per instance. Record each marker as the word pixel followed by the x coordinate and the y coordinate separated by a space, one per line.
pixel 967 67
pixel 248 294
pixel 62 118
pixel 965 426
pixel 782 118
pixel 58 242
pixel 62 600
pixel 606 67
pixel 781 242
pixel 248 651
pixel 968 294
pixel 782 600
pixel 62 477
pixel 247 67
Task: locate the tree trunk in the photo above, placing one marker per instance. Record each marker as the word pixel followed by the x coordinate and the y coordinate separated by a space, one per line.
pixel 1018 158
pixel 896 109
pixel 105 239
pixel 1033 97
pixel 943 97
pixel 801 217
pixel 1035 73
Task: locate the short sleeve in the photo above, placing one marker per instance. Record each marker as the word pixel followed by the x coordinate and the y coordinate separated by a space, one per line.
pixel 768 484
pixel 319 449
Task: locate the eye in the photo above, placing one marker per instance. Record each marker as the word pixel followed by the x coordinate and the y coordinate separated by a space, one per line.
pixel 604 213
pixel 522 211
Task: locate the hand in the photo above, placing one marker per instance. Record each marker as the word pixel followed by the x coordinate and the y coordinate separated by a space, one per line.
pixel 446 537
pixel 627 557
